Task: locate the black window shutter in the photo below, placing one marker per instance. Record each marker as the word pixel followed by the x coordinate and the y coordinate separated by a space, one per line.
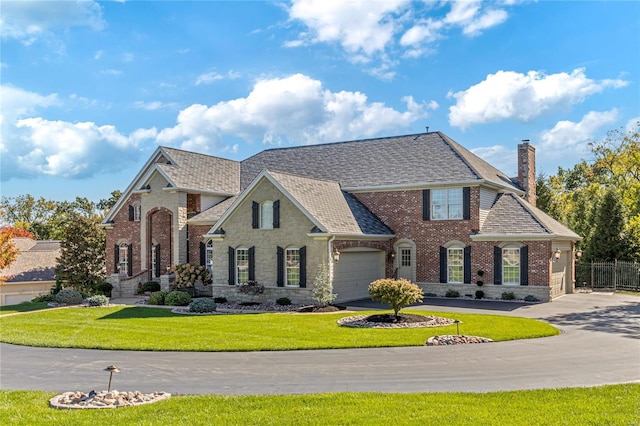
pixel 130 260
pixel 131 208
pixel 276 214
pixel 497 265
pixel 303 266
pixel 203 253
pixel 426 204
pixel 252 263
pixel 524 265
pixel 280 259
pixel 255 215
pixel 232 266
pixel 466 203
pixel 443 264
pixel 157 260
pixel 116 258
pixel 467 265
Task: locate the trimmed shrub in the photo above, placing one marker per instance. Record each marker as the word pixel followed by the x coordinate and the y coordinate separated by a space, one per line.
pixel 69 297
pixel 44 298
pixel 508 295
pixel 479 294
pixel 157 297
pixel 396 293
pixel 530 298
pixel 98 300
pixel 430 295
pixel 202 305
pixel 480 283
pixel 104 288
pixel 177 298
pixel 283 301
pixel 452 293
pixel 220 299
pixel 150 286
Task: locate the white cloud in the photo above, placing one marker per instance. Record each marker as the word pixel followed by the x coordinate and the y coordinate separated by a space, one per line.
pixel 632 125
pixel 28 21
pixel 570 138
pixel 154 105
pixel 98 54
pixel 433 105
pixel 358 26
pixel 296 108
pixel 376 30
pixel 499 156
pixel 111 71
pixel 210 77
pixel 512 95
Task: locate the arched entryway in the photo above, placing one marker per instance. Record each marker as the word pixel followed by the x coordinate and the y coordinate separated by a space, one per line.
pixel 405 259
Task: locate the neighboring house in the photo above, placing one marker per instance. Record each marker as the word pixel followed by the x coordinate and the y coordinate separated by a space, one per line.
pixel 32 273
pixel 421 207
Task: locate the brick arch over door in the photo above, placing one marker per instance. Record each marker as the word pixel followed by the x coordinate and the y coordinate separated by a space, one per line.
pixel 159 232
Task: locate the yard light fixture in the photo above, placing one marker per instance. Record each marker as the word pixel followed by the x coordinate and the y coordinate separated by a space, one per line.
pixel 578 254
pixel 457 323
pixel 336 255
pixel 111 369
pixel 556 255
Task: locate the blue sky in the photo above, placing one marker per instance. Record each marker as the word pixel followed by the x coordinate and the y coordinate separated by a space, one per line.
pixel 90 89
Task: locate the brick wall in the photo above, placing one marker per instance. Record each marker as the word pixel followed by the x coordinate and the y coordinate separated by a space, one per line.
pixel 160 232
pixel 127 231
pixel 195 238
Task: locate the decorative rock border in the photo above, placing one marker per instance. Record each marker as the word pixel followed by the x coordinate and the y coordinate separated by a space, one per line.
pixel 452 339
pixel 104 399
pixel 359 321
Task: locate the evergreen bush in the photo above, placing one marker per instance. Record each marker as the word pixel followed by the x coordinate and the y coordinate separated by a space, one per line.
pixel 202 305
pixel 177 298
pixel 69 297
pixel 98 300
pixel 157 297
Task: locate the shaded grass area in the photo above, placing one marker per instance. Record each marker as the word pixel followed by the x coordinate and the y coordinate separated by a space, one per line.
pixel 23 307
pixel 629 293
pixel 157 329
pixel 606 405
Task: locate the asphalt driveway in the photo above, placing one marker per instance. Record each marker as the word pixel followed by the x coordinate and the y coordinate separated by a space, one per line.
pixel 599 344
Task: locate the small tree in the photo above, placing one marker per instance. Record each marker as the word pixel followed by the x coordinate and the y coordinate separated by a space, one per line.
pixel 396 293
pixel 8 253
pixel 322 291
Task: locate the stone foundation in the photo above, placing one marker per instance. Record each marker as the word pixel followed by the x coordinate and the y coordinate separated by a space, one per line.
pixel 491 291
pixel 298 296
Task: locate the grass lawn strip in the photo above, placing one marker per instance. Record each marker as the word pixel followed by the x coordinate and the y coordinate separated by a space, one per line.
pixel 143 328
pixel 23 307
pixel 606 405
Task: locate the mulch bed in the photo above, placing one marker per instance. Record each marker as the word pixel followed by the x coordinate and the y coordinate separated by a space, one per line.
pixel 322 309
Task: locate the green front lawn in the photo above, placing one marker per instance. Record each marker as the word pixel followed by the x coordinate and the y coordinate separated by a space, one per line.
pixel 606 405
pixel 23 307
pixel 157 329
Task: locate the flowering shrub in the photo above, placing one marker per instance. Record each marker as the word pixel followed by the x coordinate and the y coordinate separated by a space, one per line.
pixel 97 300
pixel 188 273
pixel 251 287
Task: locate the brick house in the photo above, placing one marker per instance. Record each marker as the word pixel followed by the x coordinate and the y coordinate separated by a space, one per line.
pixel 417 206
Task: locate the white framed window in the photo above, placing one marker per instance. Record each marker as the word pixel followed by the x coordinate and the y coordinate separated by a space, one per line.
pixel 511 266
pixel 137 212
pixel 266 215
pixel 123 259
pixel 446 204
pixel 292 266
pixel 242 265
pixel 405 257
pixel 455 265
pixel 153 262
pixel 208 260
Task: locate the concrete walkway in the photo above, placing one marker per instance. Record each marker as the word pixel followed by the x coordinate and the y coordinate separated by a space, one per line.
pixel 599 344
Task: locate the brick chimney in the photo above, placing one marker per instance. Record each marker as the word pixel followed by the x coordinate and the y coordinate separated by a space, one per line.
pixel 527 170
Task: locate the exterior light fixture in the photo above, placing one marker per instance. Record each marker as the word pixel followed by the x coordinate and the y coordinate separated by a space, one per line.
pixel 168 269
pixel 111 369
pixel 336 255
pixel 578 254
pixel 556 255
pixel 392 255
pixel 457 323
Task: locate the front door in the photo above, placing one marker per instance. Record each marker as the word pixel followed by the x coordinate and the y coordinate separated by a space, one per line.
pixel 404 255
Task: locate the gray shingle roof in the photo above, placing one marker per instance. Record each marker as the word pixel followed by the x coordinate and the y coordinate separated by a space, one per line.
pixel 337 211
pixel 401 160
pixel 36 261
pixel 213 213
pixel 512 216
pixel 202 172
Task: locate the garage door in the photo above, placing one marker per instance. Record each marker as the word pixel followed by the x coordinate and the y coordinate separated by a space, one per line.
pixel 355 271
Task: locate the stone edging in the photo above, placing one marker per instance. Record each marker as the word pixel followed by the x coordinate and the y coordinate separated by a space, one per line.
pixel 453 339
pixel 358 321
pixel 104 399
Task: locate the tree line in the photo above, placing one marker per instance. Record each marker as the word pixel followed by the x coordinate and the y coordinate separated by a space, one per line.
pixel 600 199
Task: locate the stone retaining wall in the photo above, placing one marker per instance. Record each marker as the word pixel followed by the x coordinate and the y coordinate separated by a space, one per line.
pixel 491 291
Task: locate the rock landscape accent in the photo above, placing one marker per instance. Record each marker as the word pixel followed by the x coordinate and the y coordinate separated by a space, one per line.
pixel 453 339
pixel 360 321
pixel 105 399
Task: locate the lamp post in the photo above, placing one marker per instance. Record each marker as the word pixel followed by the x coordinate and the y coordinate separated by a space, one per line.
pixel 111 369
